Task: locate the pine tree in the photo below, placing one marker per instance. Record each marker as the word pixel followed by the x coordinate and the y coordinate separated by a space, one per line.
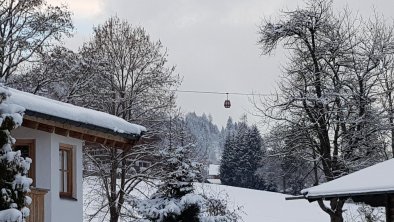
pixel 242 157
pixel 228 161
pixel 14 183
pixel 253 156
pixel 207 137
pixel 175 201
pixel 230 126
pixel 241 169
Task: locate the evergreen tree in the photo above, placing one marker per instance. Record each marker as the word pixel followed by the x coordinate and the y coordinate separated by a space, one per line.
pixel 242 157
pixel 228 161
pixel 253 158
pixel 207 137
pixel 174 201
pixel 14 183
pixel 230 126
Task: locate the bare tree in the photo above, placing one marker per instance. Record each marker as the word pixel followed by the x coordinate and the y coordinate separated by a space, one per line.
pixel 138 79
pixel 123 72
pixel 331 87
pixel 63 75
pixel 387 98
pixel 135 85
pixel 27 28
pixel 290 162
pixel 386 80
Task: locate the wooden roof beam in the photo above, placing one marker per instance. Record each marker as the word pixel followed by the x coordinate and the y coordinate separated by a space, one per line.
pixel 74 131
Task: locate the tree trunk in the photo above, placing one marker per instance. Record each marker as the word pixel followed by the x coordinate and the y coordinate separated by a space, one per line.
pixel 334 209
pixel 113 208
pixel 337 217
pixel 391 120
pixel 114 217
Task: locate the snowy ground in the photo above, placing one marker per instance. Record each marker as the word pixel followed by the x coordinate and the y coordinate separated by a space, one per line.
pixel 257 206
pixel 269 206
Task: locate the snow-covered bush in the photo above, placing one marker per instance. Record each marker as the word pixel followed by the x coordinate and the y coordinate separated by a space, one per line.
pixel 215 208
pixel 359 212
pixel 14 183
pixel 11 215
pixel 371 214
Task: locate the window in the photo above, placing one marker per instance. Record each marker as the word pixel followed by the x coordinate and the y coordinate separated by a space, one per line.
pixel 28 149
pixel 66 180
pixel 143 164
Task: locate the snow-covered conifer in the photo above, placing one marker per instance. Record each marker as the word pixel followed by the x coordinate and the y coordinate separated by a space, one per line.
pixel 228 161
pixel 174 199
pixel 14 183
pixel 253 157
pixel 242 157
pixel 207 136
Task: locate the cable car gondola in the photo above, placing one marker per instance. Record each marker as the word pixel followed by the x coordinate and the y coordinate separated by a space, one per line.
pixel 227 103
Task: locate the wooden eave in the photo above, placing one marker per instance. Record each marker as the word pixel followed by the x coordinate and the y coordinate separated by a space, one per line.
pixel 78 130
pixel 373 198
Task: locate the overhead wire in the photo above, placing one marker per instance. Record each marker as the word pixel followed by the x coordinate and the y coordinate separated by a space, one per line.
pixel 223 93
pixel 262 94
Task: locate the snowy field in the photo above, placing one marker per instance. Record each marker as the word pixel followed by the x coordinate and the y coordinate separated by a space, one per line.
pixel 257 206
pixel 268 206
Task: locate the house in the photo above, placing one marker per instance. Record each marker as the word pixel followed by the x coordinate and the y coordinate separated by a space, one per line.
pixel 373 185
pixel 213 171
pixel 213 174
pixel 52 135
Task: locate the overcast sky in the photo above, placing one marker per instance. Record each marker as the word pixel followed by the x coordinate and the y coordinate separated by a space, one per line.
pixel 211 42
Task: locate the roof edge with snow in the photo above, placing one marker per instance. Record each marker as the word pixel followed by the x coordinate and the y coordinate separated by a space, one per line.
pixel 367 183
pixel 60 115
pixel 131 136
pixel 343 195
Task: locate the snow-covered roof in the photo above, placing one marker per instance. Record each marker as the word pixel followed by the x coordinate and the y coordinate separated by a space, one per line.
pixel 39 105
pixel 213 169
pixel 375 179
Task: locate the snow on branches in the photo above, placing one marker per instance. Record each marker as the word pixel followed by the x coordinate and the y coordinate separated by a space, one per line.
pixel 14 183
pixel 176 199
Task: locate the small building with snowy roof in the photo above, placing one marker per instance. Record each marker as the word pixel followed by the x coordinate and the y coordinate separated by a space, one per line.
pixel 52 135
pixel 213 174
pixel 373 185
pixel 213 171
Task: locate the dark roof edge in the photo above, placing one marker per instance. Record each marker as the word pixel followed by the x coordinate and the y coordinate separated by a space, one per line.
pixel 295 197
pixel 83 125
pixel 348 195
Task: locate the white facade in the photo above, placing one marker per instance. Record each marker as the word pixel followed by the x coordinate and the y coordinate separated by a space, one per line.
pixel 47 173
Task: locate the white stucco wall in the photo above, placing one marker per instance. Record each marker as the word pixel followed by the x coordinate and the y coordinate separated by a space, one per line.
pixel 47 174
pixel 43 162
pixel 66 210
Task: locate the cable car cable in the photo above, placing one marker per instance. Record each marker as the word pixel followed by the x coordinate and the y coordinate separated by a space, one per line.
pixel 223 93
